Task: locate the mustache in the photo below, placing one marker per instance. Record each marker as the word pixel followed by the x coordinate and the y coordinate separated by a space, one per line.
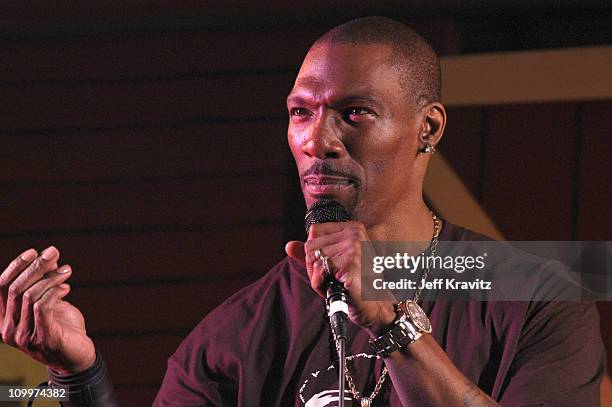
pixel 325 168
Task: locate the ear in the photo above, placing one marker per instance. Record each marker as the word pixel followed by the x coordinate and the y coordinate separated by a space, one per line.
pixel 433 124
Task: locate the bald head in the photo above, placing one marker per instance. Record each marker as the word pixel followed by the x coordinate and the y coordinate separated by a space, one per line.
pixel 414 59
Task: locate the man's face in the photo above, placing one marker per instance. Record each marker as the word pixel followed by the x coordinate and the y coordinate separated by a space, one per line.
pixel 351 131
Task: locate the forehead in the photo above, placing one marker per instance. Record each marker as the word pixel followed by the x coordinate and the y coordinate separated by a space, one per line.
pixel 340 68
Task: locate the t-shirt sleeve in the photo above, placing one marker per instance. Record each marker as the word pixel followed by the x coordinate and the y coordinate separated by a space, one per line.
pixel 207 368
pixel 186 383
pixel 560 360
pixel 229 355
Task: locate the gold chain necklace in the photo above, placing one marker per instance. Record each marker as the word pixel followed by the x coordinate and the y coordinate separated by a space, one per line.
pixel 367 401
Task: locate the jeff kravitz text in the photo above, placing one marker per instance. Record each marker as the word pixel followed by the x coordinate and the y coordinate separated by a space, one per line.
pixel 435 284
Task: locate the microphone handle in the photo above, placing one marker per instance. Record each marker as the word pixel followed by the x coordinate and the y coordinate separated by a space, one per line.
pixel 337 308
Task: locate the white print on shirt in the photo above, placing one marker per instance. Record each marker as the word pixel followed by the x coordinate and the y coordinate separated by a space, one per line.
pixel 328 398
pixel 325 378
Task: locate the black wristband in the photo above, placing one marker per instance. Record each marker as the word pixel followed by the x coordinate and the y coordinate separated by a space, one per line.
pixel 89 388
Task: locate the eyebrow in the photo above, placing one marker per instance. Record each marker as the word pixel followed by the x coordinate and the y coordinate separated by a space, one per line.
pixel 295 99
pixel 342 101
pixel 359 98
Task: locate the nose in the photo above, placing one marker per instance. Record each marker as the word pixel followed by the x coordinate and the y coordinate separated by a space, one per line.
pixel 323 139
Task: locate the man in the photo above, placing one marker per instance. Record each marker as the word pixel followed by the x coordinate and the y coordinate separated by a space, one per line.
pixel 364 118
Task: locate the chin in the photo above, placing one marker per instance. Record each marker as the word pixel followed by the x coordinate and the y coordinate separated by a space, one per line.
pixel 365 212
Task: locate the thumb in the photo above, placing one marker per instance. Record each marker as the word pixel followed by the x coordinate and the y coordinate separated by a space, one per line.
pixel 295 250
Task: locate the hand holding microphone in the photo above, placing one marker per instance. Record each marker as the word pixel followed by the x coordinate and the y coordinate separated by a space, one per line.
pixel 336 296
pixel 337 238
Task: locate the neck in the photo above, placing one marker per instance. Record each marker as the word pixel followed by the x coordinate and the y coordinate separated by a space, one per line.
pixel 409 221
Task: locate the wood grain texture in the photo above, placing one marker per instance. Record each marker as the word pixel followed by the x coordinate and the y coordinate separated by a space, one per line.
pixel 462 144
pixel 134 104
pixel 528 177
pixel 128 205
pixel 594 186
pixel 145 153
pixel 153 58
pixel 136 361
pixel 148 257
pixel 157 308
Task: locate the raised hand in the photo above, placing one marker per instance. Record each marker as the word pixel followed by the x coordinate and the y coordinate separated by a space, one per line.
pixel 35 319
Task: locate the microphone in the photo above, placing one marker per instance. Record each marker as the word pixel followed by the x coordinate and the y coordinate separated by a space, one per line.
pixel 323 211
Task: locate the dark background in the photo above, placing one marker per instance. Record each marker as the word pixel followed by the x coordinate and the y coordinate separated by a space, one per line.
pixel 147 142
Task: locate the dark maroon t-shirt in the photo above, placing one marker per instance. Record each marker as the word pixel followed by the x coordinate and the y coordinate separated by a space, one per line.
pixel 269 345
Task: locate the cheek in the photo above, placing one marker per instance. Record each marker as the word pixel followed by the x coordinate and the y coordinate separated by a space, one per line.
pixel 382 173
pixel 294 143
pixel 295 146
pixel 379 166
pixel 378 159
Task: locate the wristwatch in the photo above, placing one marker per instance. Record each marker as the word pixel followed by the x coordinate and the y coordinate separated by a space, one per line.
pixel 408 328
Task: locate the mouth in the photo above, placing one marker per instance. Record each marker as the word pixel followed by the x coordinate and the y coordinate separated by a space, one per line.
pixel 325 185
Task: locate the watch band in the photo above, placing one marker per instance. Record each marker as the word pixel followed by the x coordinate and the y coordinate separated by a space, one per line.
pixel 403 333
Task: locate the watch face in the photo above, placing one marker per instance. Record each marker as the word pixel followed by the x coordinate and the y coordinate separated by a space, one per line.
pixel 418 316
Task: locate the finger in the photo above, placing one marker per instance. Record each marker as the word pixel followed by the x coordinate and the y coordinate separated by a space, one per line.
pixel 312 244
pixel 295 250
pixel 323 244
pixel 331 246
pixel 33 272
pixel 9 274
pixel 321 276
pixel 344 263
pixel 354 231
pixel 324 267
pixel 317 278
pixel 43 264
pixel 338 253
pixel 310 259
pixel 16 266
pixel 25 325
pixel 320 229
pixel 315 266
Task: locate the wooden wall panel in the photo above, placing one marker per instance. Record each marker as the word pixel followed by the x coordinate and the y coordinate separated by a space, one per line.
pixel 138 360
pixel 595 188
pixel 154 176
pixel 130 257
pixel 131 104
pixel 529 170
pixel 145 153
pixel 166 307
pixel 142 395
pixel 94 11
pixel 218 200
pixel 462 144
pixel 152 56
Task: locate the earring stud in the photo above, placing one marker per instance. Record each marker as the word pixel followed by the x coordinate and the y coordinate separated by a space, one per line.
pixel 429 148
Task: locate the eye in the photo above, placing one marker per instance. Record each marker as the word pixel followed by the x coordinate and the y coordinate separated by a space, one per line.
pixel 358 110
pixel 356 113
pixel 298 112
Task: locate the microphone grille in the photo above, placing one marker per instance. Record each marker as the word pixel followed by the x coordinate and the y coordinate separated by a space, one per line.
pixel 323 211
